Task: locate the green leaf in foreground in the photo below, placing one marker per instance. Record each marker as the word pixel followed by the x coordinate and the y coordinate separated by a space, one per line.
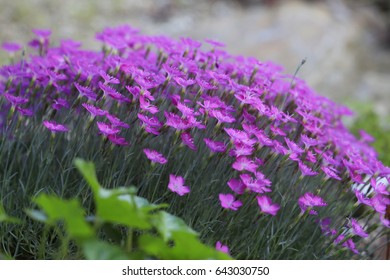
pixel 100 250
pixel 69 211
pixel 168 224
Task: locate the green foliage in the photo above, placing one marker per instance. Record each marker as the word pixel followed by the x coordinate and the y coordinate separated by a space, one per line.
pixel 378 127
pixel 147 231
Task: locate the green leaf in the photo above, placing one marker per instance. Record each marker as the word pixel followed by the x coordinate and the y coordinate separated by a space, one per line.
pixel 117 205
pixel 121 210
pixel 87 169
pixel 37 215
pixel 4 218
pixel 68 210
pixel 168 224
pixel 154 246
pixel 188 246
pixel 99 250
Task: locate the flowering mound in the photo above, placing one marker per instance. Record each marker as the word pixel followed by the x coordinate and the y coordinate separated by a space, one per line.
pixel 239 149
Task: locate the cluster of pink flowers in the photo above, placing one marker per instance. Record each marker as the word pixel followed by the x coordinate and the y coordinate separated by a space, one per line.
pixel 238 107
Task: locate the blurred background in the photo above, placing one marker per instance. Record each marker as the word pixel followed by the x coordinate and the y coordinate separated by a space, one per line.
pixel 346 42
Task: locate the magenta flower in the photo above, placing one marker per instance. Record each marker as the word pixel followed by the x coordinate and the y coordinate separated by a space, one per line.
pixel 183 82
pixel 266 205
pixel 11 47
pixel 228 201
pixel 115 121
pixel 294 148
pixel 257 185
pixel 309 200
pixel 214 146
pixel 330 172
pixel 222 117
pixel 86 91
pixel 222 248
pixel 55 127
pixel 188 140
pixel 107 78
pixel 95 111
pixel 155 156
pixel 380 202
pixel 244 163
pixel 306 170
pixel 60 103
pixel 15 100
pixel 146 106
pixel 176 185
pixel 358 230
pixel 236 185
pixel 117 140
pixel 107 129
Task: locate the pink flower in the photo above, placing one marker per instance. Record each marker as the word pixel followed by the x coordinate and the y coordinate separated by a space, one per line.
pixel 55 127
pixel 176 184
pixel 221 116
pixel 107 78
pixel 243 163
pixel 330 172
pixel 257 185
pixel 117 140
pixel 222 248
pixel 306 171
pixel 266 205
pixel 228 201
pixel 236 185
pixel 351 246
pixel 358 229
pixel 379 202
pixel 107 129
pixel 294 148
pixel 146 106
pixel 60 103
pixel 11 47
pixel 95 111
pixel 362 199
pixel 309 200
pixel 214 146
pixel 116 122
pixel 15 100
pixel 188 140
pixel 85 91
pixel 155 156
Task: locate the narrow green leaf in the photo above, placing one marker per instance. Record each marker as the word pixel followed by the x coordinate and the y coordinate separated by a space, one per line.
pixel 87 169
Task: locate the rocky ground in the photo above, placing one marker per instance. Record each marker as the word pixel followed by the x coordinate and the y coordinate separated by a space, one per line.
pixel 341 41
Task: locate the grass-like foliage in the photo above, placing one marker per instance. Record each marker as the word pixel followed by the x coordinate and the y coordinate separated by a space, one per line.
pixel 251 158
pixel 135 228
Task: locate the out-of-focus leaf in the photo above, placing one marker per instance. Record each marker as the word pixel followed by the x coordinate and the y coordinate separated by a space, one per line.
pixel 69 211
pixel 154 246
pixel 118 205
pixel 37 215
pixel 99 250
pixel 120 210
pixel 87 169
pixel 168 224
pixel 188 247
